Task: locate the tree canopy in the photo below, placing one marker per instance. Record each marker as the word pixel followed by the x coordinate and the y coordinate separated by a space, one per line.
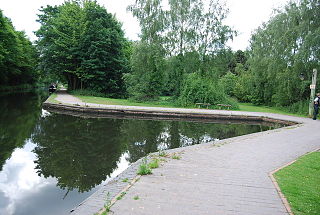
pixel 83 44
pixel 18 57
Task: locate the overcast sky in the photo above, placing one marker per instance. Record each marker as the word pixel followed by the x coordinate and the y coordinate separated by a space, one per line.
pixel 244 16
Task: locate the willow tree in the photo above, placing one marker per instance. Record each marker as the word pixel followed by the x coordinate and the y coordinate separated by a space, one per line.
pixel 281 50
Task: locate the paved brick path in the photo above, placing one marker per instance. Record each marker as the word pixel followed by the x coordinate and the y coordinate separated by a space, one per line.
pixel 231 179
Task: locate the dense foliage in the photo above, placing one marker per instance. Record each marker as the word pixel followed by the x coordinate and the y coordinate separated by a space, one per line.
pixel 18 57
pixel 83 44
pixel 280 51
pixel 187 37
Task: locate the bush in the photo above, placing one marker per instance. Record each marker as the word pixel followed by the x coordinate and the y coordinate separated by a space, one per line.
pixel 228 81
pixel 199 89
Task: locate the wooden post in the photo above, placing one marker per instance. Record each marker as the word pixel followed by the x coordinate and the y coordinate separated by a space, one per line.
pixel 313 90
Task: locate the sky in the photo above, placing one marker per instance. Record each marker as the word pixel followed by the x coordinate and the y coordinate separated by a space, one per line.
pixel 244 16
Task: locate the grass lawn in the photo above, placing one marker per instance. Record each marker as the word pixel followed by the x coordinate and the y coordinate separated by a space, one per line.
pixel 253 108
pixel 300 183
pixel 52 98
pixel 166 101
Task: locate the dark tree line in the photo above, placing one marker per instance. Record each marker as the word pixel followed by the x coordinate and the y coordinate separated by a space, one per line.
pixel 18 57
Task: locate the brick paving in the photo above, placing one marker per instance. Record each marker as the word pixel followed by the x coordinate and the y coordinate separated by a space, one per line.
pixel 226 177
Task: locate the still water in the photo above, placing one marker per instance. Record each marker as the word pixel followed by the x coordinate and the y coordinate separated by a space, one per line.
pixel 49 163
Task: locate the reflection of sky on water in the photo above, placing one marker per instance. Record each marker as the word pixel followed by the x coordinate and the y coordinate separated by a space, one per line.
pixel 22 190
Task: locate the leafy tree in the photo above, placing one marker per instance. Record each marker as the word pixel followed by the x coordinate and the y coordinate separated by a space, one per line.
pixel 146 79
pixel 81 42
pixel 200 89
pixel 283 48
pixel 187 31
pixel 18 57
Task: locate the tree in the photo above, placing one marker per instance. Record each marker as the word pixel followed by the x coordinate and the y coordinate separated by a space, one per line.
pixel 82 43
pixel 187 32
pixel 18 57
pixel 145 82
pixel 283 48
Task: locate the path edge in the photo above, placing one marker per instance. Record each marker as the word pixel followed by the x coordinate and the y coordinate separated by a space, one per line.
pixel 276 185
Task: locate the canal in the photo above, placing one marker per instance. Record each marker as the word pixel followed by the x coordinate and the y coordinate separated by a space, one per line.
pixel 49 163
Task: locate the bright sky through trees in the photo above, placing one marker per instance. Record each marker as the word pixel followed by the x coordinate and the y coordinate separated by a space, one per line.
pixel 245 16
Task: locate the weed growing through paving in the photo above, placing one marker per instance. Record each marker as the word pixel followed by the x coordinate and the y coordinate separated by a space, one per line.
pixel 107 206
pixel 154 163
pixel 121 195
pixel 176 157
pixel 144 168
pixel 125 180
pixel 163 154
pixel 136 197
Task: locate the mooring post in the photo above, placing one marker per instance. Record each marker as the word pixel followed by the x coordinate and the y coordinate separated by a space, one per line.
pixel 313 91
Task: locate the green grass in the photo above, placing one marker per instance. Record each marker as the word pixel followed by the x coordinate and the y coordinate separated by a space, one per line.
pixel 176 157
pixel 125 180
pixel 136 197
pixel 167 101
pixel 300 183
pixel 144 168
pixel 265 109
pixel 154 163
pixel 121 195
pixel 52 98
pixel 164 101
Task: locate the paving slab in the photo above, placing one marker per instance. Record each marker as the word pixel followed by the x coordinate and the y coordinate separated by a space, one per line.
pixel 224 177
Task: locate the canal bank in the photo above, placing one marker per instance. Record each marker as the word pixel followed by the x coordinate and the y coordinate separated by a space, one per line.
pixel 229 179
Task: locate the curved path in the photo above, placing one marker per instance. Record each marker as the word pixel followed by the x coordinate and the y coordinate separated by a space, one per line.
pixel 228 178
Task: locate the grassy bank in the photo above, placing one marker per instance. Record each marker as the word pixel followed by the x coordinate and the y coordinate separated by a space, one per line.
pixel 167 101
pixel 164 101
pixel 300 183
pixel 278 110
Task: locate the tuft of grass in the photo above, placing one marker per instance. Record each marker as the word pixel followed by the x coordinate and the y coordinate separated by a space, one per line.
pixel 177 157
pixel 163 154
pixel 144 168
pixel 136 197
pixel 121 195
pixel 52 98
pixel 125 180
pixel 154 163
pixel 299 182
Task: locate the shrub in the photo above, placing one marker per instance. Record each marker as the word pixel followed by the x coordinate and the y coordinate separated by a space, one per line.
pixel 200 89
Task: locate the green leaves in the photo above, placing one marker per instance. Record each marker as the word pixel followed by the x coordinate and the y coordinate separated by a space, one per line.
pixel 283 48
pixel 83 44
pixel 18 57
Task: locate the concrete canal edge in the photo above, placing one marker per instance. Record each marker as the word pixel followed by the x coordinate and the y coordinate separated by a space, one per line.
pixel 110 191
pixel 166 113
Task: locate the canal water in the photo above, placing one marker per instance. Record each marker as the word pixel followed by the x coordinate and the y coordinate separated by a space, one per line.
pixel 49 163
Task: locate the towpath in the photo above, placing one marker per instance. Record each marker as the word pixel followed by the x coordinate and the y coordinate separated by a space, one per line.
pixel 230 177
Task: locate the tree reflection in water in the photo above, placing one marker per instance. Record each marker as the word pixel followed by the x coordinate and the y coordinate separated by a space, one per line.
pixel 82 152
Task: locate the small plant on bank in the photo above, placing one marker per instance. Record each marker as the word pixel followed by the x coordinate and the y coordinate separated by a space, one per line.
pixel 163 154
pixel 176 157
pixel 144 168
pixel 125 180
pixel 154 163
pixel 121 195
pixel 136 197
pixel 107 206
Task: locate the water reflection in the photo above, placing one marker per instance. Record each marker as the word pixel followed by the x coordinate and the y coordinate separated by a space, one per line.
pixel 18 116
pixel 82 152
pixel 50 162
